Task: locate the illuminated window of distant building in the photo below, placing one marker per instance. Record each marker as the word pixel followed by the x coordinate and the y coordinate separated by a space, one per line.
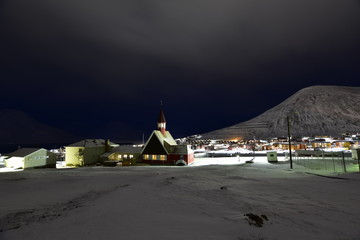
pixel 131 156
pixel 119 156
pixel 154 157
pixel 125 155
pixel 163 157
pixel 146 157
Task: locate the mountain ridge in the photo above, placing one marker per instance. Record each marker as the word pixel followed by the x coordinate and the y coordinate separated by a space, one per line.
pixel 17 127
pixel 315 110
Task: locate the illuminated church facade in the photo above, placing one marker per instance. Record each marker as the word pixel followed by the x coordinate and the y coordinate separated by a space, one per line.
pixel 161 148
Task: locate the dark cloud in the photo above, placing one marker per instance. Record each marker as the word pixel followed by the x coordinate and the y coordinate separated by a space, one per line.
pixel 197 55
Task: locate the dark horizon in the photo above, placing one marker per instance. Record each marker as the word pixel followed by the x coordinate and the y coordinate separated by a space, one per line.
pixel 100 69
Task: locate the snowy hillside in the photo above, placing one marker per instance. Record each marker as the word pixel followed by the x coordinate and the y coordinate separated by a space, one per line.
pixel 248 202
pixel 18 127
pixel 317 110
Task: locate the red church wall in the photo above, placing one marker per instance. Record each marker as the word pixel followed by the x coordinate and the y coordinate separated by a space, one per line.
pixel 189 158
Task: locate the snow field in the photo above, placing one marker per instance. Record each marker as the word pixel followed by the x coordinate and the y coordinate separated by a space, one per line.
pixel 197 202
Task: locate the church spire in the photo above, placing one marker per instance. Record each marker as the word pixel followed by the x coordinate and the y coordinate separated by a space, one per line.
pixel 161 124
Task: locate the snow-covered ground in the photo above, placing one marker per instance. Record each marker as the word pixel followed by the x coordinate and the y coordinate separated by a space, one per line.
pixel 232 160
pixel 194 202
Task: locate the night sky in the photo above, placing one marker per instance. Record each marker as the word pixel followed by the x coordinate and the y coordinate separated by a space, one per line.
pixel 100 68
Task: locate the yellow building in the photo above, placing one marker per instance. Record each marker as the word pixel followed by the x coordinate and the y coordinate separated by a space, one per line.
pixel 321 144
pixel 344 144
pixel 285 146
pixel 126 155
pixel 86 152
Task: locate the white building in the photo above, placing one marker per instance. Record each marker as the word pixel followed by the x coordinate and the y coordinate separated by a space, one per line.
pixel 29 158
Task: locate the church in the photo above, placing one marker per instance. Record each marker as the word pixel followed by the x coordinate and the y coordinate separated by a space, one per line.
pixel 161 148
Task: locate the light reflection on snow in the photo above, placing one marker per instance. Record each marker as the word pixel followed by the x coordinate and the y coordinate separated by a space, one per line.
pixel 6 169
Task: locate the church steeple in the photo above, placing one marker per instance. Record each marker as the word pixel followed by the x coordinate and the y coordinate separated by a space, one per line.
pixel 161 124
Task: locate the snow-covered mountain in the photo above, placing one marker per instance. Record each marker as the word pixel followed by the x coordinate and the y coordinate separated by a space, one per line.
pixel 18 127
pixel 316 110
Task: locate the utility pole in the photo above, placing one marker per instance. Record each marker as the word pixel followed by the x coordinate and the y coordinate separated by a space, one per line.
pixel 289 136
pixel 358 157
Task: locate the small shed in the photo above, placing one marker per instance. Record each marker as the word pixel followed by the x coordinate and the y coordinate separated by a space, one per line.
pixel 355 154
pixel 272 156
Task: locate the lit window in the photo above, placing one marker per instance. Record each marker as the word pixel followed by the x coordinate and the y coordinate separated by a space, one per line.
pixel 146 157
pixel 154 157
pixel 163 157
pixel 125 156
pixel 131 156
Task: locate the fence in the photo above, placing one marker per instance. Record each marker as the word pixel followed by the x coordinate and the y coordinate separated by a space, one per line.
pixel 328 161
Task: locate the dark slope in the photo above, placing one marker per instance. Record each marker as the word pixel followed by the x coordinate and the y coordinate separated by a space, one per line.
pixel 18 127
pixel 316 110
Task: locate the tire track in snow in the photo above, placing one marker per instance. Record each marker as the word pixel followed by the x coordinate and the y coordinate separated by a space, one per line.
pixel 22 218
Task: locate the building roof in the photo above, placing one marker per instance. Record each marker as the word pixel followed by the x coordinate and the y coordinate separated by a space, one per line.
pixel 163 142
pixel 91 143
pixel 105 155
pixel 181 149
pixel 126 149
pixel 350 141
pixel 320 141
pixel 129 149
pixel 165 138
pixel 161 116
pixel 23 152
